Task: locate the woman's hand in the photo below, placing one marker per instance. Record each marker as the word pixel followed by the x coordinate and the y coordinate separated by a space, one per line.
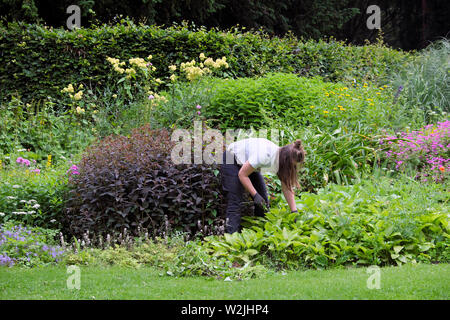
pixel 259 201
pixel 290 197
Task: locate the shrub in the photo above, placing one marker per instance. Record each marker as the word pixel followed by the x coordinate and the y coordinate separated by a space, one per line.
pixel 287 100
pixel 32 54
pixel 131 182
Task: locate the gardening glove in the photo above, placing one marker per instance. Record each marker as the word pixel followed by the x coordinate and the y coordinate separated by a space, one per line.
pixel 260 202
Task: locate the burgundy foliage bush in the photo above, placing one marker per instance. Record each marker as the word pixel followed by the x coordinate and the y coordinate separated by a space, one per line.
pixel 131 182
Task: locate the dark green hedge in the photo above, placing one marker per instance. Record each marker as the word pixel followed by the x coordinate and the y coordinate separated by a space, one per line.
pixel 37 61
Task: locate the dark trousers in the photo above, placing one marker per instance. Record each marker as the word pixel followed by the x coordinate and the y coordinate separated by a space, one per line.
pixel 234 192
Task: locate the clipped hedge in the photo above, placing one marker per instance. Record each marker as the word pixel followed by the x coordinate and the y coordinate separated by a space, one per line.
pixel 47 59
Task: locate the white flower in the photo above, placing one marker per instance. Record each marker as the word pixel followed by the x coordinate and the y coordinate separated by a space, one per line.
pixel 16 186
pixel 36 206
pixel 2 214
pixel 11 197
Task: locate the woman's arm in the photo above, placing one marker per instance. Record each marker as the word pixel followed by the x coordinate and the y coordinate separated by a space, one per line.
pixel 289 195
pixel 244 172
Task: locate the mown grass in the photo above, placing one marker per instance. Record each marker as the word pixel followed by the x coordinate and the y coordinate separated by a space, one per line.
pixel 406 282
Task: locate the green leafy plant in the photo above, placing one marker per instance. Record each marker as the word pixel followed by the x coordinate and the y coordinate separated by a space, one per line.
pixel 34 198
pixel 341 225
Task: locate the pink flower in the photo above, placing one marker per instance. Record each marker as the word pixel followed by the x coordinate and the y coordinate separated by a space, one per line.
pixel 151 97
pixel 199 113
pixel 21 160
pixel 73 170
pixel 199 107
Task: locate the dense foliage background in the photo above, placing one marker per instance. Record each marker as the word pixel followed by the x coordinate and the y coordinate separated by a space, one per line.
pixel 407 24
pixel 48 59
pixel 87 116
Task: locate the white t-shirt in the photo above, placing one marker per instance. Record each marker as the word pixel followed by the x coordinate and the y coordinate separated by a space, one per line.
pixel 259 152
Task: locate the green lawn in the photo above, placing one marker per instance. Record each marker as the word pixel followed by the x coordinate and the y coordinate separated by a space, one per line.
pixel 406 282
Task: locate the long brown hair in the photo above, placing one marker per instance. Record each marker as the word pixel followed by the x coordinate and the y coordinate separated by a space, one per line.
pixel 290 156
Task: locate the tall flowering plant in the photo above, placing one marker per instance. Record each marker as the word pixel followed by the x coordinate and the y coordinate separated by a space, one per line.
pixel 426 150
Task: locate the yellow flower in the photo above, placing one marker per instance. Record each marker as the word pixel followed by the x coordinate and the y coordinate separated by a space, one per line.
pixel 173 78
pixel 209 62
pixel 68 89
pixel 119 69
pixel 49 160
pixel 113 61
pixel 172 67
pixel 325 111
pixel 80 110
pixel 202 56
pixel 312 107
pixel 114 96
pixel 139 62
pixel 78 95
